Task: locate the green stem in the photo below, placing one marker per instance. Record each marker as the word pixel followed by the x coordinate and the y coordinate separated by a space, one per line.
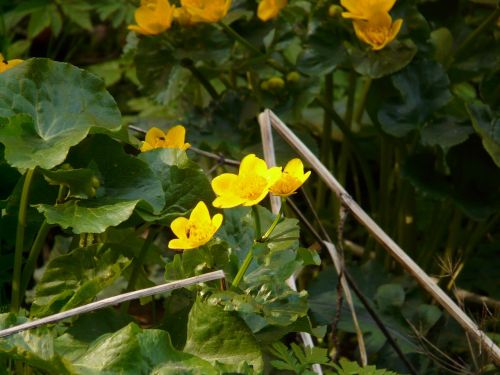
pixel 243 269
pixel 272 63
pixel 256 217
pixel 138 264
pixel 351 95
pixel 188 64
pixel 36 248
pixel 473 35
pixel 249 257
pixel 358 114
pixel 18 256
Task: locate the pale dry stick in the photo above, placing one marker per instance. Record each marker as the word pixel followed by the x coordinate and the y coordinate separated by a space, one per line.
pixel 270 157
pixel 216 275
pixel 396 252
pixel 337 262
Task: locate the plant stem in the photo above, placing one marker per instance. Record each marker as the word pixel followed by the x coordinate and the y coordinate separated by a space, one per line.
pixel 256 217
pixel 243 268
pixel 350 99
pixel 249 257
pixel 358 114
pixel 473 35
pixel 272 63
pixel 138 265
pixel 18 256
pixel 188 64
pixel 36 248
pixel 326 141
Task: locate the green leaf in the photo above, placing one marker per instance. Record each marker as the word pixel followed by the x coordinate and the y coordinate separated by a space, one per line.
pixel 377 64
pixel 423 89
pixel 133 350
pixel 220 336
pixel 390 296
pixel 445 132
pixel 184 183
pixel 488 127
pixel 79 12
pixel 88 216
pixel 82 183
pixel 39 21
pixel 322 53
pixel 34 347
pixel 64 103
pixel 76 278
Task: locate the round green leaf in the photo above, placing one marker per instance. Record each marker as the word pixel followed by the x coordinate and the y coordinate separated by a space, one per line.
pixel 62 104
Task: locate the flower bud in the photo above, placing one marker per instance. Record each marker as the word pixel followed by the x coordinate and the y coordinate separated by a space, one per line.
pixel 334 10
pixel 293 77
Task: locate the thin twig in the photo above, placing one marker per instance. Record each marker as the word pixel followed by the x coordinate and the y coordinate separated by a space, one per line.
pixel 216 275
pixel 387 242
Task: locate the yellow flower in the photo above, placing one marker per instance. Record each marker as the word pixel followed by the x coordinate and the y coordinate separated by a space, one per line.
pixel 206 10
pixel 365 9
pixel 174 138
pixel 6 65
pixel 248 187
pixel 378 31
pixel 195 231
pixel 269 9
pixel 153 17
pixel 291 179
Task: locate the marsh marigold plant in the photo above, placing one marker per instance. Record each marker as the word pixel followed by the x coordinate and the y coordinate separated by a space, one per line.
pixel 292 178
pixel 269 9
pixel 372 22
pixel 173 138
pixel 207 11
pixel 195 231
pixel 6 65
pixel 246 188
pixel 153 17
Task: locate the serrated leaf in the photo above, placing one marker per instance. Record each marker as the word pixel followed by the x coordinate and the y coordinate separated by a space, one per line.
pixel 76 278
pixel 34 347
pixel 221 336
pixel 423 89
pixel 64 104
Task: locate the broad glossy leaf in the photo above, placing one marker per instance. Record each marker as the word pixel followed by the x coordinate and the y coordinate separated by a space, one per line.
pixel 487 126
pixel 65 103
pixel 377 64
pixel 34 347
pixel 423 89
pixel 221 336
pixel 445 132
pixel 81 183
pixel 76 278
pixel 88 216
pixel 390 296
pixel 133 350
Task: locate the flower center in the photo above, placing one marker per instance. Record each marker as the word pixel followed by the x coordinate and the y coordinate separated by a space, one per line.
pixel 197 233
pixel 251 187
pixel 285 184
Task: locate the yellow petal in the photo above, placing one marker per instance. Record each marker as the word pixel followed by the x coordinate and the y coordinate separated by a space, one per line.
pixel 175 136
pixel 200 213
pixel 225 201
pixel 269 9
pixel 255 201
pixel 138 29
pixel 252 165
pixel 224 184
pixel 295 168
pixel 178 227
pixel 273 175
pixel 217 222
pixel 153 135
pixel 177 244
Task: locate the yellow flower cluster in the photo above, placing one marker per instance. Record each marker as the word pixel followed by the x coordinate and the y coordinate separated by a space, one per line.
pixel 247 188
pixel 255 180
pixel 6 65
pixel 155 16
pixel 372 22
